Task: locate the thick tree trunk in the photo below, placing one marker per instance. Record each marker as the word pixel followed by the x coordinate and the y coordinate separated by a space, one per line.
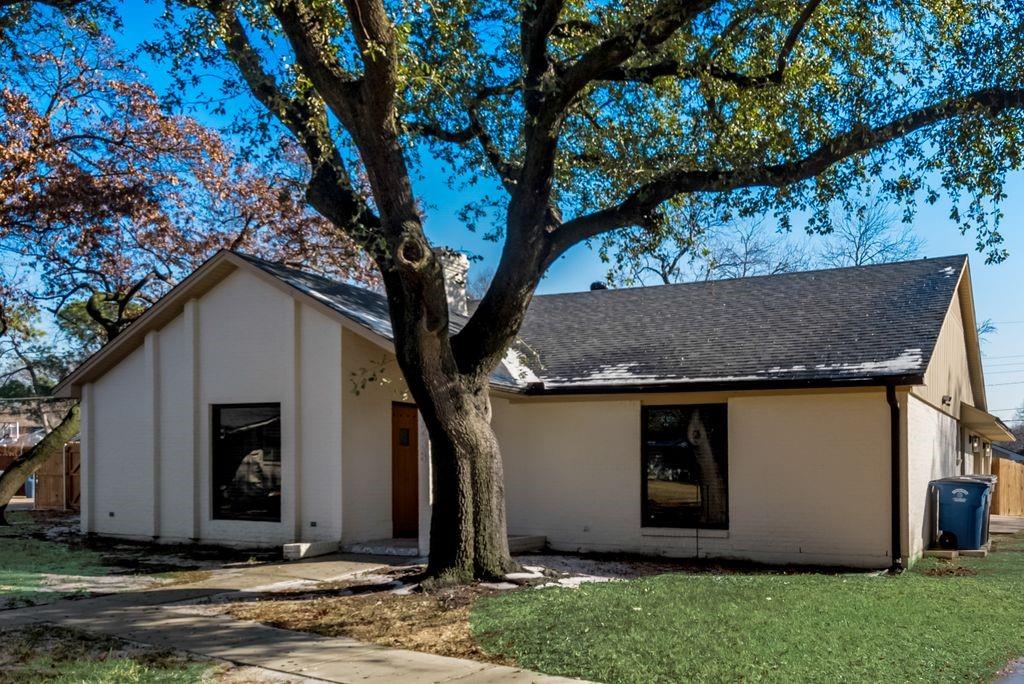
pixel 21 468
pixel 468 537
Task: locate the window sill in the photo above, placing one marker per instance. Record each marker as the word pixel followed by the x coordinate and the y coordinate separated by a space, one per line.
pixel 683 532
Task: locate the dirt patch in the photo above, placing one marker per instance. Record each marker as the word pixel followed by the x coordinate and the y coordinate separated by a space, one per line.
pixel 432 622
pixel 137 557
pixel 56 561
pixel 950 570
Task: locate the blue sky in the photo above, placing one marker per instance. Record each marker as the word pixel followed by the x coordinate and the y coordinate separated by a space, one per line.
pixel 998 288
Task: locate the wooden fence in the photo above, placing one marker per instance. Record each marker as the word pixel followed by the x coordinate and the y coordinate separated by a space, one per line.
pixel 1009 494
pixel 59 482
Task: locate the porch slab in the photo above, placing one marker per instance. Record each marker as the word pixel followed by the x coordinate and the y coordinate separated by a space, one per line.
pixel 409 548
pixel 525 543
pixel 522 543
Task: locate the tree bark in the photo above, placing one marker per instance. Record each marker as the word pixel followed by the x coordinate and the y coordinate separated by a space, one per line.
pixel 25 465
pixel 468 537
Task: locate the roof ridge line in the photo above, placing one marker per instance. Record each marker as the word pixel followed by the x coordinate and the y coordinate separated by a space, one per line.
pixel 761 276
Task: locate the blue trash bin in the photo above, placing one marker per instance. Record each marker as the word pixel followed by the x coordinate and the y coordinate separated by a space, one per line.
pixel 963 504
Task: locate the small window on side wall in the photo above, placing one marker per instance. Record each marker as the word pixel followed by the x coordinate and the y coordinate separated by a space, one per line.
pixel 246 460
pixel 685 466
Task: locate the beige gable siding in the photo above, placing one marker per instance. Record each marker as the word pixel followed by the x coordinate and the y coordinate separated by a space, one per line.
pixel 948 372
pixel 148 428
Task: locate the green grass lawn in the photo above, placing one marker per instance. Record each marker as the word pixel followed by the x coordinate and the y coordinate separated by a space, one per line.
pixel 63 656
pixel 24 562
pixel 920 627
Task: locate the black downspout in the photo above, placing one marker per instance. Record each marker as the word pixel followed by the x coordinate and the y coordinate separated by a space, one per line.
pixel 895 477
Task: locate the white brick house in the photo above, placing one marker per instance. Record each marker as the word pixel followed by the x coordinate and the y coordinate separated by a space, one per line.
pixel 759 418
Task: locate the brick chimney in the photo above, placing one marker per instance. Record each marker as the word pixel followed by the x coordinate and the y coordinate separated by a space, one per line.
pixel 456 272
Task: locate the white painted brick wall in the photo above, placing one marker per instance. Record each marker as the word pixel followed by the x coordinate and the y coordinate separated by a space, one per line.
pixel 808 478
pixel 931 454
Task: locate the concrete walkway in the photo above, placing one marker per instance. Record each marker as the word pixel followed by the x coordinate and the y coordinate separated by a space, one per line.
pixel 163 617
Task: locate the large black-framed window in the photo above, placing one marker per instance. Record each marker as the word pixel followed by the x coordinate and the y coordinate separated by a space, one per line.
pixel 246 460
pixel 685 466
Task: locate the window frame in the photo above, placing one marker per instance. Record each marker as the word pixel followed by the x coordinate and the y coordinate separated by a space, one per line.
pixel 214 423
pixel 689 525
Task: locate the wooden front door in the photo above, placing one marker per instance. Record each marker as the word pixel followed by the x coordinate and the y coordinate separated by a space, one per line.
pixel 404 470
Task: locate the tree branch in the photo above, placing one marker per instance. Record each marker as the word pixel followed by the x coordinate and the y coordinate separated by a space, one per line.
pixel 860 139
pixel 374 35
pixel 651 31
pixel 648 73
pixel 330 189
pixel 506 171
pixel 338 89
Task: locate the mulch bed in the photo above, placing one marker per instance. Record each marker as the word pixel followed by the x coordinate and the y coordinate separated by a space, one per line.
pixel 435 621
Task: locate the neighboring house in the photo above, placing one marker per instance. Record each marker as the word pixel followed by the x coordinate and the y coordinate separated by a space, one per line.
pixel 20 423
pixel 793 418
pixel 20 429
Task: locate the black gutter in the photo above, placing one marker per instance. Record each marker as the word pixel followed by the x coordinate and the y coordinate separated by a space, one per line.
pixel 895 477
pixel 540 389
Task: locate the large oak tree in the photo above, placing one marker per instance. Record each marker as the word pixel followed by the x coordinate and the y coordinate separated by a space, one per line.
pixel 593 118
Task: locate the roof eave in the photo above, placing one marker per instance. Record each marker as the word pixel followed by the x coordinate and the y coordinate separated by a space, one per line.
pixel 908 379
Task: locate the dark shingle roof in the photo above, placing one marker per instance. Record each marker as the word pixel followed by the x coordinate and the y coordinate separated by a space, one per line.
pixel 834 325
pixel 838 325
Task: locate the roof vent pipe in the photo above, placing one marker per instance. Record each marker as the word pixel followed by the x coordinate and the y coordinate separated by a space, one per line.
pixel 456 272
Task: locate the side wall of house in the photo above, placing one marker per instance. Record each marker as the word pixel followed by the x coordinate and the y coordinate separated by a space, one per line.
pixel 931 442
pixel 148 448
pixel 808 477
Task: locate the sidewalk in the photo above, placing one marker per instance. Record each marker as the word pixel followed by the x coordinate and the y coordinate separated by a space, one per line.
pixel 157 617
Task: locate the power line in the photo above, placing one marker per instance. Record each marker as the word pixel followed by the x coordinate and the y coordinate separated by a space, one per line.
pixel 1005 356
pixel 1004 384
